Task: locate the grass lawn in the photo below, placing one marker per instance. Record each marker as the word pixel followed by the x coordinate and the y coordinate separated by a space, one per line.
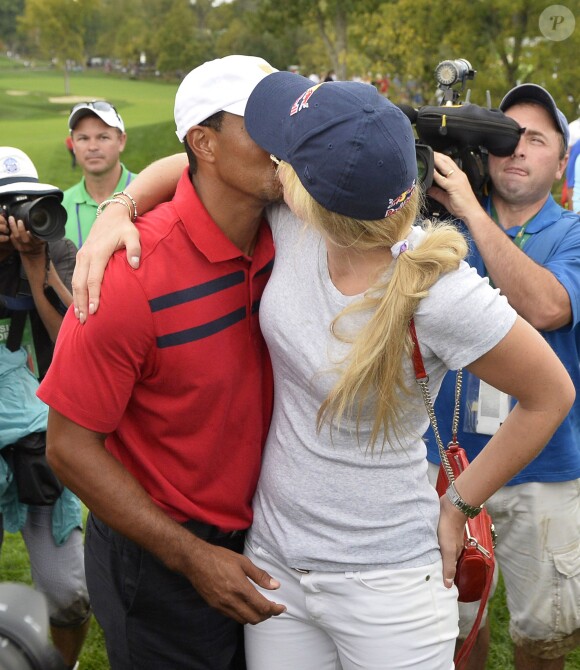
pixel 34 115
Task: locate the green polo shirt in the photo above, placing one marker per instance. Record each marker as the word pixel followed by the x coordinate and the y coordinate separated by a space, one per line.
pixel 81 209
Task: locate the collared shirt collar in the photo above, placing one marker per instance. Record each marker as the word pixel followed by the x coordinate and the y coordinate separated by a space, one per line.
pixel 81 195
pixel 549 213
pixel 207 236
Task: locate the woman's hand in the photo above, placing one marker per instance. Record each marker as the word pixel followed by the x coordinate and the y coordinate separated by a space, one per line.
pixel 113 230
pixel 450 533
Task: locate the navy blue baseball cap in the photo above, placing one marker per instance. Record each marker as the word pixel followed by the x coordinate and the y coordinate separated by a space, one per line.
pixel 539 95
pixel 352 149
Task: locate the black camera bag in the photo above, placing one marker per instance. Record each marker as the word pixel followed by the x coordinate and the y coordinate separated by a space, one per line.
pixel 36 483
pixel 467 126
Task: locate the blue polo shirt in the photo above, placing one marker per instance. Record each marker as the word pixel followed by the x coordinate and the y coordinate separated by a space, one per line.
pixel 554 243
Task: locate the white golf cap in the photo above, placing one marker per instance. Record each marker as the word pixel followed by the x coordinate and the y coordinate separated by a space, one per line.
pixel 219 85
pixel 101 108
pixel 18 174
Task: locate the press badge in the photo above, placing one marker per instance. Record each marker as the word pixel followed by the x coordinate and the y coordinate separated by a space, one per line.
pixel 487 408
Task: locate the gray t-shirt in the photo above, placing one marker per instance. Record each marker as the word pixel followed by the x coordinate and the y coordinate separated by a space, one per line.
pixel 325 502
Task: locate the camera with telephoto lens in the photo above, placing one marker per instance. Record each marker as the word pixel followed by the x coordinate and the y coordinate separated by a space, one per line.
pixel 43 216
pixel 24 624
pixel 464 131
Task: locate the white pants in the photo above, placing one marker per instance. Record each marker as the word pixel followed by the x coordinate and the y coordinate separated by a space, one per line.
pixel 376 620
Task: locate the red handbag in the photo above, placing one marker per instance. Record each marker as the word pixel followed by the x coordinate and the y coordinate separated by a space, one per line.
pixel 476 563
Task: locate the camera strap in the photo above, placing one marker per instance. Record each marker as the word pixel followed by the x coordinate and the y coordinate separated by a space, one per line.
pixel 20 305
pixel 522 235
pixel 17 322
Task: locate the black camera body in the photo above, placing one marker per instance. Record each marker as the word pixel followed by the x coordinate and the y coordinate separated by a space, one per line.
pixel 43 215
pixel 467 133
pixel 464 131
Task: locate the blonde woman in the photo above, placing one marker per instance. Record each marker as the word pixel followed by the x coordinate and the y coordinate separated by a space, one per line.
pixel 344 515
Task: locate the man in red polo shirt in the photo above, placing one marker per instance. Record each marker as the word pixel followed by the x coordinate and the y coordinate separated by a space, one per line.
pixel 160 403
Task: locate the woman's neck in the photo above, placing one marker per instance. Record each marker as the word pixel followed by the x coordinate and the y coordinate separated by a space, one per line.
pixel 353 271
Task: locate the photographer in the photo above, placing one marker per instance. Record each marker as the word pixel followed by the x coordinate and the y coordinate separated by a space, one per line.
pixel 529 247
pixel 35 278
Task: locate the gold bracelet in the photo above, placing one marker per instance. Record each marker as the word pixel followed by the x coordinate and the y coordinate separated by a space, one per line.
pixel 106 203
pixel 129 197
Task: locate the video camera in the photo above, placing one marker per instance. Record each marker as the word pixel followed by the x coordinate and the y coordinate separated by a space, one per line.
pixel 464 131
pixel 24 641
pixel 43 216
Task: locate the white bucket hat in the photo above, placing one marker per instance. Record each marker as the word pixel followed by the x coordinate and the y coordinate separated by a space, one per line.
pixel 18 174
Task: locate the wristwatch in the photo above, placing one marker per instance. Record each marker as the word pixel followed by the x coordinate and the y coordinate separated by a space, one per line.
pixel 469 510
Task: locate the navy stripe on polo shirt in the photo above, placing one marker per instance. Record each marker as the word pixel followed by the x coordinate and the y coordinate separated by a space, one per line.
pixel 199 332
pixel 201 291
pixel 195 292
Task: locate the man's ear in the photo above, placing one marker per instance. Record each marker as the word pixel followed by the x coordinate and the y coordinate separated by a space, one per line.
pixel 562 165
pixel 201 142
pixel 122 141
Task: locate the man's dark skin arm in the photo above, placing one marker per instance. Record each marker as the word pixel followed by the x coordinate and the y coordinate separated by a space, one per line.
pixel 222 577
pixel 531 289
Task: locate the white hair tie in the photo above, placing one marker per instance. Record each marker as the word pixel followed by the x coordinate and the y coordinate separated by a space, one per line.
pixel 400 248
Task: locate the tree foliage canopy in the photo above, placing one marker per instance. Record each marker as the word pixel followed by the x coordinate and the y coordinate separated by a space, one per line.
pixel 404 39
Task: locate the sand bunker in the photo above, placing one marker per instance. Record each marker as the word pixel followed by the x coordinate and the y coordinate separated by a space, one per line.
pixel 62 100
pixel 69 99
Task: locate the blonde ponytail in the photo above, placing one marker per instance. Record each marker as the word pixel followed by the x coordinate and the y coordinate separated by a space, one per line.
pixel 373 369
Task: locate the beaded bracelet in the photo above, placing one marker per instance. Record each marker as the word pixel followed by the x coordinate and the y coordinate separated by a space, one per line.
pixel 105 203
pixel 129 197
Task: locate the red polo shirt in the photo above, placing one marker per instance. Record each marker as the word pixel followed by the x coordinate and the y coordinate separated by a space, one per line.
pixel 173 365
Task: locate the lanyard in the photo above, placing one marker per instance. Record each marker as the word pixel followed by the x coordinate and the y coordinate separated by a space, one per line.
pixel 79 231
pixel 521 236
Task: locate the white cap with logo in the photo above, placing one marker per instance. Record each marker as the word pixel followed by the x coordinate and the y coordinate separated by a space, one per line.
pixel 101 108
pixel 18 174
pixel 219 85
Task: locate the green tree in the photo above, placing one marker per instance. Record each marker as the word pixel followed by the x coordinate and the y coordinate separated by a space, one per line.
pixel 325 24
pixel 509 48
pixel 9 10
pixel 126 28
pixel 180 44
pixel 240 28
pixel 58 28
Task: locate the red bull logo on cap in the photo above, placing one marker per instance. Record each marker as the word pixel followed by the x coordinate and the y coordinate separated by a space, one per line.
pixel 395 204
